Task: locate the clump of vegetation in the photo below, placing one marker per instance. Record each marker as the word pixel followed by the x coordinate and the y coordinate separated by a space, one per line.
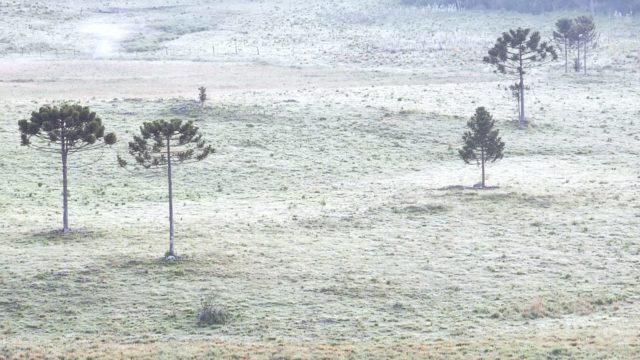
pixel 210 314
pixel 202 95
pixel 536 309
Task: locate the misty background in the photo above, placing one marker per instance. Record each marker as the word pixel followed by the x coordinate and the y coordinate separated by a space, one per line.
pixel 624 6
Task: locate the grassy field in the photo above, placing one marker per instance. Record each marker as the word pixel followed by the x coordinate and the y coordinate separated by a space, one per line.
pixel 335 219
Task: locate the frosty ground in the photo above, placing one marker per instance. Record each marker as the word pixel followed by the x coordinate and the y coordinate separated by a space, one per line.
pixel 334 219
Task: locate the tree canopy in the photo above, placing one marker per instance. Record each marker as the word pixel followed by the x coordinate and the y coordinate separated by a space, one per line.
pixel 159 140
pixel 76 128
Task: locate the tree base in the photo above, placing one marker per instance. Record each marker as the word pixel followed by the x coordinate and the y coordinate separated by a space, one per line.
pixel 462 187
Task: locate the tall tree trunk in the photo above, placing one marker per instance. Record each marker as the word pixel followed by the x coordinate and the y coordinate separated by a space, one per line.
pixel 521 72
pixel 566 56
pixel 585 58
pixel 522 119
pixel 171 239
pixel 65 182
pixel 482 159
pixel 578 62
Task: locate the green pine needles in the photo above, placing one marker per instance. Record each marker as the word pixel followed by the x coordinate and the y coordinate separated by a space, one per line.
pixel 161 140
pixel 482 143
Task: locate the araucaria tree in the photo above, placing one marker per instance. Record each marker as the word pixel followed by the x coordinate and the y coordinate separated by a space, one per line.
pixel 562 36
pixel 163 144
pixel 584 36
pixel 202 95
pixel 482 143
pixel 64 130
pixel 516 52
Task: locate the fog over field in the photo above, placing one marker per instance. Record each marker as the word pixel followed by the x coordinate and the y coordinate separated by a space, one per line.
pixel 302 179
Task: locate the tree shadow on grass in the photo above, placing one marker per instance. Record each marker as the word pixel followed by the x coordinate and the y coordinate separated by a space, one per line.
pixel 60 237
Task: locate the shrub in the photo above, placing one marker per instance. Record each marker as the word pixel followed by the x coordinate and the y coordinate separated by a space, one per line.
pixel 210 314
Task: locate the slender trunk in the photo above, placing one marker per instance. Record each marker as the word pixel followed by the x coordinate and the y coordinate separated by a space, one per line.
pixel 585 58
pixel 521 72
pixel 171 243
pixel 482 158
pixel 578 62
pixel 522 115
pixel 65 182
pixel 566 57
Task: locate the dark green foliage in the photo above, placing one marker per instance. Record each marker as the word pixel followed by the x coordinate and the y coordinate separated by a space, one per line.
pixel 159 137
pixel 518 50
pixel 202 95
pixel 481 142
pixel 562 37
pixel 515 52
pixel 583 36
pixel 80 128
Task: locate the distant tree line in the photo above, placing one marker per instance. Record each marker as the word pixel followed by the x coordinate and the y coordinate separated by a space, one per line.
pixel 624 6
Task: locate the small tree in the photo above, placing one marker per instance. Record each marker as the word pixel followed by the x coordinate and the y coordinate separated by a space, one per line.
pixel 202 96
pixel 585 36
pixel 562 36
pixel 481 142
pixel 165 143
pixel 515 52
pixel 64 130
pixel 515 93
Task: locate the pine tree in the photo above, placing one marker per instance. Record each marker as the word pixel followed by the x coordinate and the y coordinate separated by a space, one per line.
pixel 515 93
pixel 585 36
pixel 202 96
pixel 515 52
pixel 165 143
pixel 64 130
pixel 562 36
pixel 481 142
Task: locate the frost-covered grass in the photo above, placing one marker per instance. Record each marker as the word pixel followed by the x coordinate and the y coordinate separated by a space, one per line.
pixel 334 220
